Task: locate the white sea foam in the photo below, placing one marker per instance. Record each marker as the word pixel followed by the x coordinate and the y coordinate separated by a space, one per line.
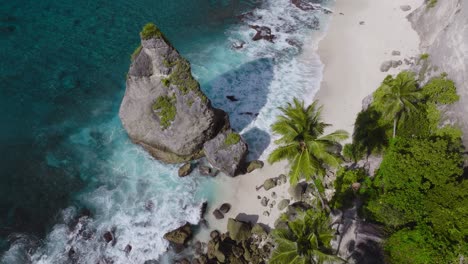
pixel 141 199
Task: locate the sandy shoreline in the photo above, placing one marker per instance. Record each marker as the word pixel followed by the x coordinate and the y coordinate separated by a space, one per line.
pixel 352 55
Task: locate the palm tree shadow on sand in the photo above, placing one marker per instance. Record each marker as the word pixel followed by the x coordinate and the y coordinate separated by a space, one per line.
pixel 242 93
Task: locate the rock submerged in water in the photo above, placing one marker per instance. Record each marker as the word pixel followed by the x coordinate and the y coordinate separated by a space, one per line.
pixel 263 32
pixel 227 152
pixel 163 109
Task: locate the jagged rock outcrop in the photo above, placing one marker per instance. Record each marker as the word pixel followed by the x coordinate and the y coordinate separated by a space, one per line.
pixel 443 30
pixel 163 109
pixel 227 152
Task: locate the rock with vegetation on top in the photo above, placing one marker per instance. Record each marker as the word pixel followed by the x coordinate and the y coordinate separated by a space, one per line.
pixel 253 165
pixel 227 152
pixel 238 230
pixel 163 109
pixel 180 236
pixel 185 170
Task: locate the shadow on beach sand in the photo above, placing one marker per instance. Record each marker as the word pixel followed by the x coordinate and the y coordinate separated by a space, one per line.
pixel 242 93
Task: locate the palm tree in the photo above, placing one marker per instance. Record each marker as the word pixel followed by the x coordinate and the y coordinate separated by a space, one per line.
pixel 398 97
pixel 302 143
pixel 306 240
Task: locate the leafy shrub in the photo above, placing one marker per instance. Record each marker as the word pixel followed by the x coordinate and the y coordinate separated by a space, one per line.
pixel 165 109
pixel 232 139
pixel 440 90
pixel 344 194
pixel 150 30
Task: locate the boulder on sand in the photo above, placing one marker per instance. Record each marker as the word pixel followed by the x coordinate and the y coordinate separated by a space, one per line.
pixel 238 230
pixel 253 165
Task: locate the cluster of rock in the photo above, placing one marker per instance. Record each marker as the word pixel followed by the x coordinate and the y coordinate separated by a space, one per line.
pixel 242 244
pixel 221 211
pixel 165 111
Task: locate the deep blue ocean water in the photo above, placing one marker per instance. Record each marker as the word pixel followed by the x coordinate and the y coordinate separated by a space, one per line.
pixel 62 75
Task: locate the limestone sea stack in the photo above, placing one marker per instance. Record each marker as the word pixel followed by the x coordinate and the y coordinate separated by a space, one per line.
pixel 163 109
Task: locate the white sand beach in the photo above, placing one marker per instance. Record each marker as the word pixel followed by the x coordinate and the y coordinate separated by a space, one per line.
pixel 352 54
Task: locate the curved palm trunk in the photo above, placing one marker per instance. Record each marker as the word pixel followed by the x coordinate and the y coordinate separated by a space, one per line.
pixel 394 126
pixel 324 204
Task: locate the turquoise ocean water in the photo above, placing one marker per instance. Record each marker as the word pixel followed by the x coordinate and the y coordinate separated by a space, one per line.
pixel 65 154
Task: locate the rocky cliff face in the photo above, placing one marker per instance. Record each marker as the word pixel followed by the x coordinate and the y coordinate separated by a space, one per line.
pixel 443 30
pixel 163 109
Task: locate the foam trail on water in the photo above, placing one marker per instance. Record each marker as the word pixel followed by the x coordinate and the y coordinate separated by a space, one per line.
pixel 272 74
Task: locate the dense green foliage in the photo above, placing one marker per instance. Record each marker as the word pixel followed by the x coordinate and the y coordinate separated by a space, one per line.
pixel 165 108
pixel 440 90
pixel 150 30
pixel 421 188
pixel 397 97
pixel 232 139
pixel 419 193
pixel 354 152
pixel 306 240
pixel 302 142
pixel 344 193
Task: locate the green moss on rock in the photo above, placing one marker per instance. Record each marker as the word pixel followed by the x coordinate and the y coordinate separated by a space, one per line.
pixel 232 139
pixel 150 30
pixel 181 76
pixel 165 108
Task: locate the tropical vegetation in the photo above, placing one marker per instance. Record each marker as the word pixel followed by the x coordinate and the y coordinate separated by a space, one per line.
pixel 306 240
pixel 303 144
pixel 418 194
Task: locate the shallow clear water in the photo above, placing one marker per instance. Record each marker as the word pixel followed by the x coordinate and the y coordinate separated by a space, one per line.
pixel 62 74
